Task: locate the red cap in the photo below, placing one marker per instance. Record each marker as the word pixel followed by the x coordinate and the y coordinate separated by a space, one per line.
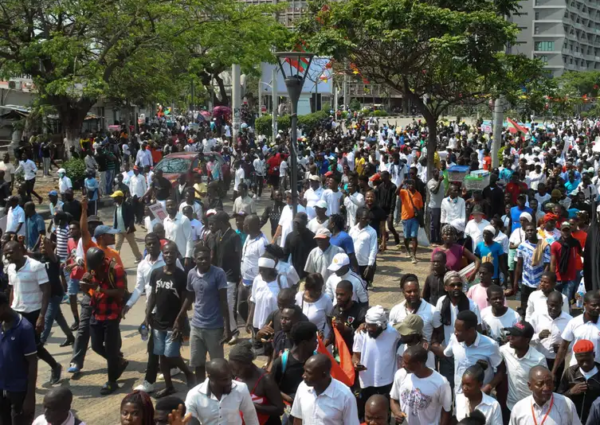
pixel 583 346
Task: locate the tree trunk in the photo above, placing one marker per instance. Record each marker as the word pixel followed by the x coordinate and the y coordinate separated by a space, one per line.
pixel 224 100
pixel 71 113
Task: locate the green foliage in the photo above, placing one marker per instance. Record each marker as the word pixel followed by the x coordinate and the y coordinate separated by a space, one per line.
pixel 309 122
pixel 75 169
pixel 284 122
pixel 379 113
pixel 354 104
pixel 580 83
pixel 264 125
pixel 327 107
pixel 501 154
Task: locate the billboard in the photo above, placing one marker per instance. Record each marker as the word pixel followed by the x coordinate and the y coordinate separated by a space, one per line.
pixel 319 78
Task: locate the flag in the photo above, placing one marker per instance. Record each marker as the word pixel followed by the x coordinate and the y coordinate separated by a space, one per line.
pixel 343 371
pixel 303 62
pixel 514 127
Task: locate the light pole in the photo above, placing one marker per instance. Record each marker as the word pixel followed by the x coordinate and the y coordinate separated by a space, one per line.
pixel 294 68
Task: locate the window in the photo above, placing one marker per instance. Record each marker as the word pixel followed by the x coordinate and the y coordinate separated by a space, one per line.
pixel 544 46
pixel 536 29
pixel 537 16
pixel 543 58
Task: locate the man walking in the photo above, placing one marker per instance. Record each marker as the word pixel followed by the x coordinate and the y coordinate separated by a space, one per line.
pixel 123 221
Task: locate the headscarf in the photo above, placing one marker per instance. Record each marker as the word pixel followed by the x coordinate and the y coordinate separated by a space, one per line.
pixel 242 353
pixel 526 216
pixel 458 224
pixel 376 315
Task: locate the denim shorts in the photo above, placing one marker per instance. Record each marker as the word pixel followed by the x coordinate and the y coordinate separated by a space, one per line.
pixel 164 345
pixel 73 287
pixel 411 228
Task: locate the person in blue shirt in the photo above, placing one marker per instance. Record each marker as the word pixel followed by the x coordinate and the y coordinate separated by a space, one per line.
pixel 572 182
pixel 491 252
pixel 515 212
pixel 90 185
pixel 506 173
pixel 35 226
pixel 342 239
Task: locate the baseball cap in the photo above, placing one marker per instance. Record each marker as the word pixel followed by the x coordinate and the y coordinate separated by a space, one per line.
pixel 322 233
pixel 329 174
pixel 565 225
pixel 53 193
pixel 411 325
pixel 314 178
pixel 321 204
pixel 94 219
pixel 117 193
pixel 103 229
pixel 521 328
pixel 339 260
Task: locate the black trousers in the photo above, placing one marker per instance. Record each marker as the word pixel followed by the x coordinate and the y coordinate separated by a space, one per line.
pixel 82 339
pixel 153 361
pixel 525 293
pixel 106 342
pixel 42 353
pixel 138 209
pixel 11 409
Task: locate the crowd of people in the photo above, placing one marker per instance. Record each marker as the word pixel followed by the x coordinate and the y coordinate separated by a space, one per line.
pixel 450 350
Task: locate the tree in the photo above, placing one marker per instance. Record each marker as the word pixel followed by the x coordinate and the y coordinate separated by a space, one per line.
pixel 436 53
pixel 241 34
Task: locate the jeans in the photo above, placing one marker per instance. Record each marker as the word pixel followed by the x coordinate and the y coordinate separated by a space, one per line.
pixel 54 313
pixel 110 175
pixel 568 288
pixel 102 182
pixel 46 166
pixel 11 409
pixel 434 227
pixel 120 237
pixel 106 342
pixel 231 290
pixel 83 333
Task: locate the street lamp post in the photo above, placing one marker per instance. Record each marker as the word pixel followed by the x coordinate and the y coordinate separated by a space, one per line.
pixel 294 68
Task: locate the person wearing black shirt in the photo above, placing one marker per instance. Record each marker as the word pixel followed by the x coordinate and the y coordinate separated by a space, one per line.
pixel 299 243
pixel 377 215
pixel 386 197
pixel 57 293
pixel 282 340
pixel 4 190
pixel 494 198
pixel 165 299
pixel 72 206
pixel 288 369
pixel 347 315
pixel 161 186
pixel 229 258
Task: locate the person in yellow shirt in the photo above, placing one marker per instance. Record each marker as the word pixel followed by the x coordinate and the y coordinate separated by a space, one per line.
pixel 359 164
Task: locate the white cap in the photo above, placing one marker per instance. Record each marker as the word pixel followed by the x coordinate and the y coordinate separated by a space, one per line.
pixel 265 262
pixel 490 228
pixel 314 178
pixel 322 233
pixel 321 204
pixel 62 170
pixel 339 260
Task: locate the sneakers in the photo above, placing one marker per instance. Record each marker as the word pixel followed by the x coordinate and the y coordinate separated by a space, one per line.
pixel 234 339
pixel 73 368
pixel 146 387
pixel 414 260
pixel 55 374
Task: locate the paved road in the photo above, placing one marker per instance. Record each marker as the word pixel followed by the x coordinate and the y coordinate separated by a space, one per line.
pixel 97 410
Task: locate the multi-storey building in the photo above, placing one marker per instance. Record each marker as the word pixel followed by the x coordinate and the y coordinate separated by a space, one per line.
pixel 564 34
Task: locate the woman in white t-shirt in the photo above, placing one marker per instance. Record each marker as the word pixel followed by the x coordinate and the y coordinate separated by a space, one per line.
pixel 516 237
pixel 316 305
pixel 472 398
pixel 265 288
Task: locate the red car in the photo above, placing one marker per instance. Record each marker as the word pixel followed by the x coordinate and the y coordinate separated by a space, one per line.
pixel 175 164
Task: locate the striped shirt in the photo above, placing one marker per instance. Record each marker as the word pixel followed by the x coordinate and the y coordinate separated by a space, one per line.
pixel 532 274
pixel 27 295
pixel 62 241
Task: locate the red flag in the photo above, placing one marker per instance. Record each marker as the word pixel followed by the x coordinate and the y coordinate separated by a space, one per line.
pixel 514 127
pixel 344 372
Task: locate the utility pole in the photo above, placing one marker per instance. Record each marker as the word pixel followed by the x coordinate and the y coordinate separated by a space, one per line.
pixel 274 100
pixel 259 97
pixel 497 130
pixel 236 100
pixel 345 87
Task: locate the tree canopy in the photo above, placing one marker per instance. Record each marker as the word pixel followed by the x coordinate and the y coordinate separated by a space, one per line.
pixel 436 53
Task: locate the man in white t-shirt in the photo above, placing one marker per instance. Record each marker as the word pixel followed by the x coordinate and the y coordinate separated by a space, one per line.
pixel 498 316
pixel 15 221
pixel 283 177
pixel 585 326
pixel 374 354
pixel 419 394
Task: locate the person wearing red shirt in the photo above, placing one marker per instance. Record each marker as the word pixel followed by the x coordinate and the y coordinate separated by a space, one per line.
pixel 108 286
pixel 515 187
pixel 487 160
pixel 564 254
pixel 273 172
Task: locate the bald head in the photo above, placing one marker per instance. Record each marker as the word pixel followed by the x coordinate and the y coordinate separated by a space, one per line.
pixel 60 394
pixel 377 410
pixel 57 404
pixel 319 363
pixel 538 372
pixel 555 296
pixel 217 367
